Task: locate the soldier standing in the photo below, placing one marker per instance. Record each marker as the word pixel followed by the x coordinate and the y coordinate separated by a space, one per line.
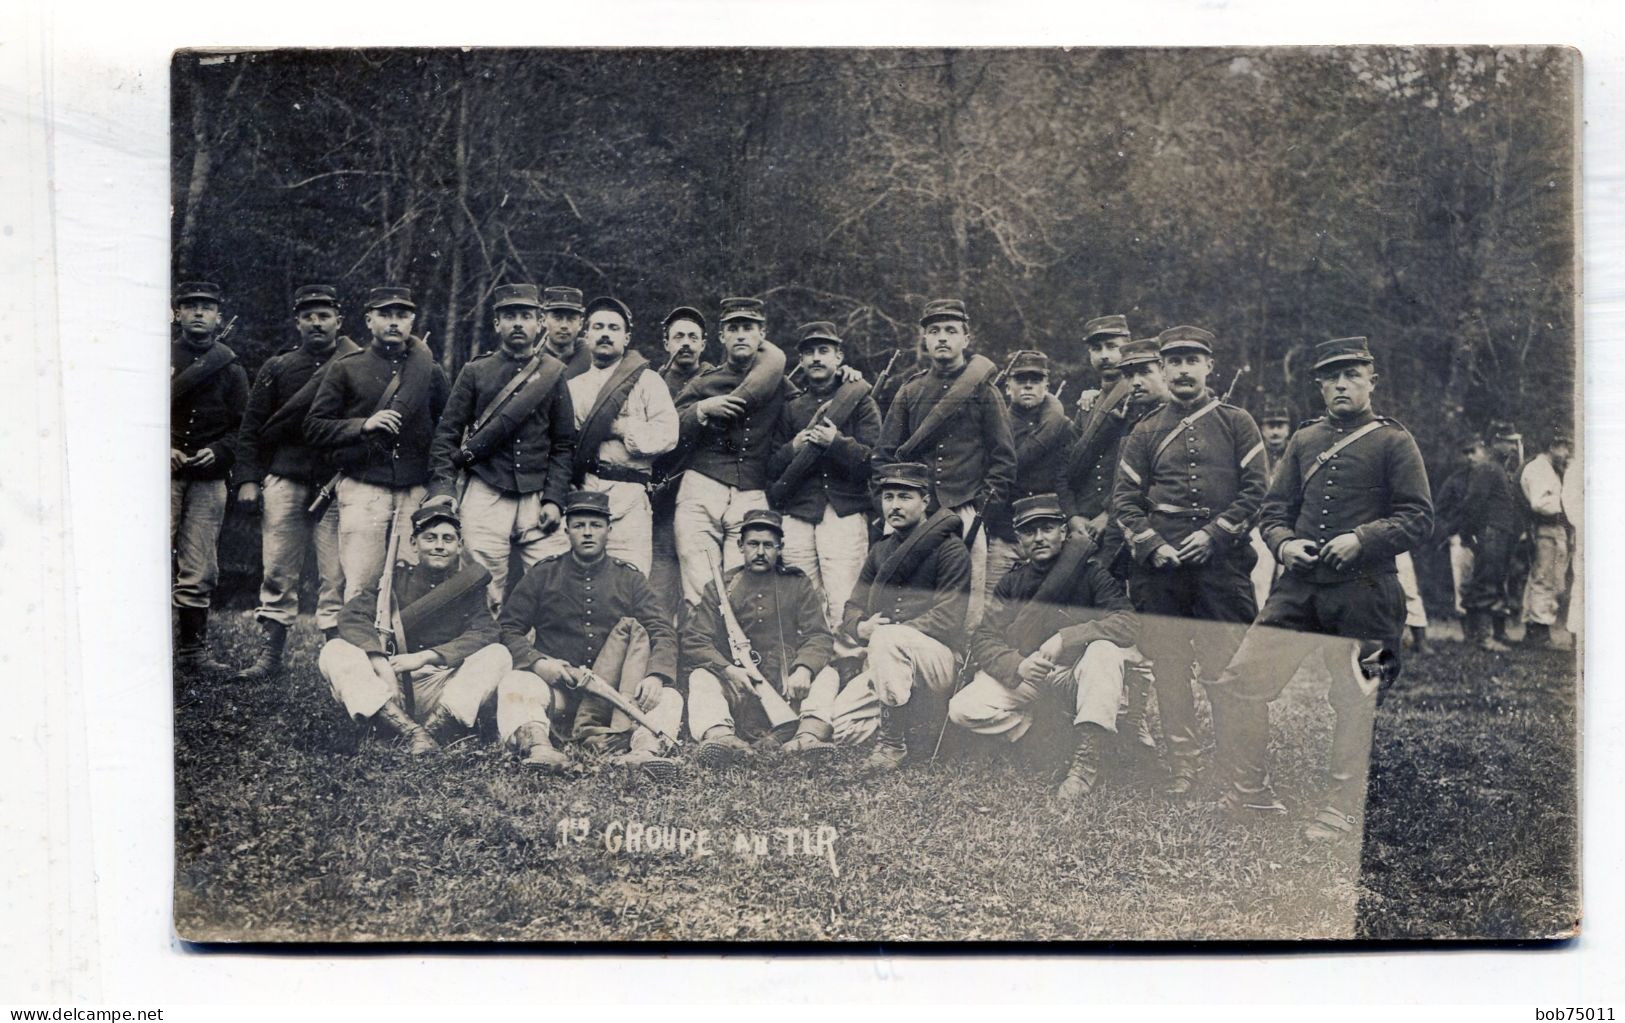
pixel 1043 436
pixel 1059 624
pixel 821 473
pixel 1189 483
pixel 1488 522
pixel 587 612
pixel 683 334
pixel 375 412
pixel 1275 426
pixel 953 420
pixel 1542 484
pixel 1350 494
pixel 781 614
pixel 1090 465
pixel 207 391
pixel 503 452
pixel 562 317
pixel 1103 340
pixel 280 474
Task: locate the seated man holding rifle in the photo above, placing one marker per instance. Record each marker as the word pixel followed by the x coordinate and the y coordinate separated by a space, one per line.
pixel 755 650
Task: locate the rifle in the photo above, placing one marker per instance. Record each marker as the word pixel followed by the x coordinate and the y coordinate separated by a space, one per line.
pixel 885 375
pixel 231 325
pixel 387 618
pixel 589 681
pixel 778 711
pixel 1059 388
pixel 1233 381
pixel 1006 370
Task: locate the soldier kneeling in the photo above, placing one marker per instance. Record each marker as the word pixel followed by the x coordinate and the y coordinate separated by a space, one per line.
pixel 446 661
pixel 1059 624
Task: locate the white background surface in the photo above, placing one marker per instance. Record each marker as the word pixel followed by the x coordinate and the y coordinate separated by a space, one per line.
pixel 85 826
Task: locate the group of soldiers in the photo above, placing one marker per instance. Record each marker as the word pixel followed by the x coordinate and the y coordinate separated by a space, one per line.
pixel 593 553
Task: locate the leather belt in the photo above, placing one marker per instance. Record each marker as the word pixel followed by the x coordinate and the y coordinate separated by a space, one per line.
pixel 1179 509
pixel 620 474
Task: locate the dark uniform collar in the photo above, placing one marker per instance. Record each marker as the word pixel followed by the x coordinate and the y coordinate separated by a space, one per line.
pixel 1183 408
pixel 1351 422
pixel 589 568
pixel 524 357
pixel 948 374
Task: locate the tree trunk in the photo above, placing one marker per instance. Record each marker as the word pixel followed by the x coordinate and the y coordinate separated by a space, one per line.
pixel 197 184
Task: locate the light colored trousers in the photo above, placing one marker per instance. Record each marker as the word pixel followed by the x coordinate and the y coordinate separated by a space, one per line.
pixel 899 657
pixel 462 691
pixel 711 705
pixel 1416 614
pixel 365 513
pixel 631 525
pixel 286 536
pixel 1263 573
pixel 197 508
pixel 1094 686
pixel 979 586
pixel 1002 556
pixel 707 522
pixel 1461 568
pixel 831 553
pixel 524 698
pixel 1548 574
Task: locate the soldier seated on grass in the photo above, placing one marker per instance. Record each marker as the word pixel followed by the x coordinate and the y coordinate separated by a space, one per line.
pixel 430 675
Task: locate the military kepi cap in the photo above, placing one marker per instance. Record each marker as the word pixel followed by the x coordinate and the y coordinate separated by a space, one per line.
pixel 612 304
pixel 684 312
pixel 515 296
pixel 762 518
pixel 743 309
pixel 818 330
pixel 378 298
pixel 1039 507
pixel 1340 350
pixel 1029 362
pixel 1185 339
pixel 586 502
pixel 1275 414
pixel 1105 326
pixel 944 309
pixel 438 511
pixel 1501 429
pixel 903 474
pixel 560 297
pixel 315 294
pixel 197 289
pixel 1134 353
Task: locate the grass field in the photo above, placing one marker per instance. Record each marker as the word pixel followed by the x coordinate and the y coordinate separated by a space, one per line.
pixel 284 834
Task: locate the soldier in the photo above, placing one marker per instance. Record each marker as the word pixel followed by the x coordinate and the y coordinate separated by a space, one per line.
pixel 1059 624
pixel 503 452
pixel 1542 484
pixel 207 391
pixel 1506 447
pixel 1275 426
pixel 562 316
pixel 442 661
pixel 781 614
pixel 908 614
pixel 275 457
pixel 1488 521
pixel 579 613
pixel 1103 338
pixel 1349 495
pixel 1090 462
pixel 1189 483
pixel 821 473
pixel 731 435
pixel 624 420
pixel 1043 437
pixel 683 333
pixel 953 420
pixel 375 413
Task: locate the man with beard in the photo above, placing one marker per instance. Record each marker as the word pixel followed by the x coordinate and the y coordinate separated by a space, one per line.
pixel 375 414
pixel 781 613
pixel 953 420
pixel 1542 485
pixel 908 614
pixel 207 391
pixel 444 660
pixel 1349 495
pixel 562 316
pixel 503 452
pixel 821 474
pixel 1189 482
pixel 624 420
pixel 1090 461
pixel 1043 436
pixel 1488 522
pixel 279 473
pixel 582 613
pixel 1060 625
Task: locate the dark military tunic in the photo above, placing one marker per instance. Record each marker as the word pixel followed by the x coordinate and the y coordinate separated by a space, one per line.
pixel 207 416
pixel 840 476
pixel 676 378
pixel 456 631
pixel 932 599
pixel 1093 607
pixel 733 452
pixel 349 396
pixel 282 449
pixel 1042 439
pixel 780 612
pixel 572 607
pixel 1488 522
pixel 973 456
pixel 536 457
pixel 1089 492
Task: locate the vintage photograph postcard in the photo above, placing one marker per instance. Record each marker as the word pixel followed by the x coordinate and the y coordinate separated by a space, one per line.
pixel 876 495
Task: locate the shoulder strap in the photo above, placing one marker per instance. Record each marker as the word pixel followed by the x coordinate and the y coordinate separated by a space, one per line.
pixel 975 374
pixel 217 358
pixel 1182 426
pixel 431 604
pixel 1331 452
pixel 611 399
pixel 1085 450
pixel 1057 583
pixel 923 541
pixel 509 389
pixel 298 404
pixel 837 410
pixel 504 415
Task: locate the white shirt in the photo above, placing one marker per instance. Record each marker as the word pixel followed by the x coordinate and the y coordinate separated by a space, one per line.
pixel 647 425
pixel 1541 486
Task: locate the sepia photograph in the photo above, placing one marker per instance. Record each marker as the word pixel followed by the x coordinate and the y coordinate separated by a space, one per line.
pixel 876 494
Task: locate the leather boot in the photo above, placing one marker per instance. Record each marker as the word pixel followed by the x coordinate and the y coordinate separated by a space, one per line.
pixel 1084 770
pixel 536 749
pixel 721 748
pixel 443 726
pixel 1499 629
pixel 1537 635
pixel 1488 628
pixel 891 741
pixel 812 737
pixel 1134 737
pixel 268 664
pixel 192 644
pixel 395 717
pixel 1419 639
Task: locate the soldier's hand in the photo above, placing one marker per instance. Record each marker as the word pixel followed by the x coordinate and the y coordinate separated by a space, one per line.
pixel 737 680
pixel 203 459
pixel 867 627
pixel 411 662
pixel 1035 668
pixel 553 671
pixel 1298 554
pixel 822 433
pixel 648 692
pixel 248 497
pixel 1197 548
pixel 1052 648
pixel 798 684
pixel 723 406
pixel 386 421
pixel 1081 527
pixel 848 374
pixel 548 518
pixel 1341 551
pixel 177 459
pixel 1165 556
